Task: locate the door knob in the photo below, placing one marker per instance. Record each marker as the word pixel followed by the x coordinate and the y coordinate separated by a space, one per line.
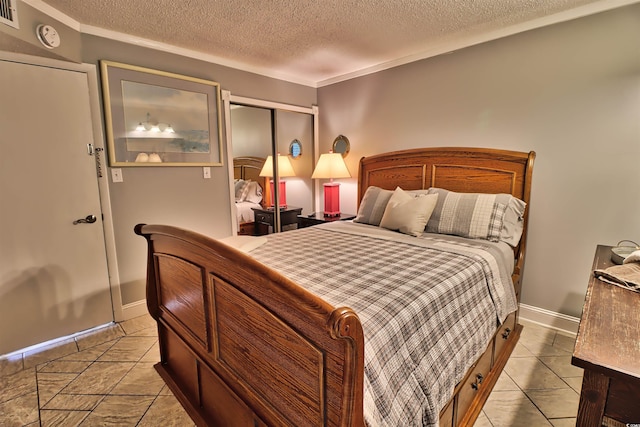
pixel 89 219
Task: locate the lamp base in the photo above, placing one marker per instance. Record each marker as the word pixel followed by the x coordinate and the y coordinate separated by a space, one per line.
pixel 332 199
pixel 282 191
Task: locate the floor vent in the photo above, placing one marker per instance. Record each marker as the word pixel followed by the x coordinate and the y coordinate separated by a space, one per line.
pixel 9 13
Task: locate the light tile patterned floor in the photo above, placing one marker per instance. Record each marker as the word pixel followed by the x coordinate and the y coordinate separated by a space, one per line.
pixel 539 386
pixel 107 379
pixel 104 378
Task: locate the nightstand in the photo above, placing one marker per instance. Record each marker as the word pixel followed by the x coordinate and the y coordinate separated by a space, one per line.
pixel 264 219
pixel 319 218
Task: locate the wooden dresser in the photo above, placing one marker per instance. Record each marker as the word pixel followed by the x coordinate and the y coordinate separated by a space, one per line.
pixel 608 348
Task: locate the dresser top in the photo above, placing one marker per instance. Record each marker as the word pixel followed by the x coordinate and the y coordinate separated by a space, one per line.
pixel 609 335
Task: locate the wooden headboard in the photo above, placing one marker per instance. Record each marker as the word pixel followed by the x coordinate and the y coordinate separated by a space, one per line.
pixel 465 170
pixel 248 168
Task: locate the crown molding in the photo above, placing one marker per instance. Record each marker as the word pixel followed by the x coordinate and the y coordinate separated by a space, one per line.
pixel 213 59
pixel 439 49
pixel 53 13
pixel 451 46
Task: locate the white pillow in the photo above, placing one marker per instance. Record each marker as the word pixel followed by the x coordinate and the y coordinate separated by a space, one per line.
pixel 240 185
pixel 408 214
pixel 254 192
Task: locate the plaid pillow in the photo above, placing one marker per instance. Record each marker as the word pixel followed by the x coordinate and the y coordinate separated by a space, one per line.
pixel 473 215
pixel 373 205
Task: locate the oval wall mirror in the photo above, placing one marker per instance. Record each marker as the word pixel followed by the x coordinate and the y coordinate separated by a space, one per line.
pixel 295 149
pixel 341 145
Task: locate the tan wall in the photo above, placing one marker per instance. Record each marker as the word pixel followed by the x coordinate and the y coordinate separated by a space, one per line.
pixel 24 39
pixel 168 195
pixel 571 92
pixel 176 195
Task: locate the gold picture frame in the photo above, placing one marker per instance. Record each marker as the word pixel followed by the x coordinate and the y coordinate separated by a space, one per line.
pixel 157 118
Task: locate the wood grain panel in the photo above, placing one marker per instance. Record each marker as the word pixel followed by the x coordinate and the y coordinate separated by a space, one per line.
pixel 623 401
pixel 465 179
pixel 268 356
pixel 474 381
pixel 592 399
pixel 446 415
pixel 220 403
pixel 410 177
pixel 505 330
pixel 180 362
pixel 182 294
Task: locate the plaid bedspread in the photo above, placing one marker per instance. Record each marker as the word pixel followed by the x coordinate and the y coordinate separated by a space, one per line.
pixel 428 305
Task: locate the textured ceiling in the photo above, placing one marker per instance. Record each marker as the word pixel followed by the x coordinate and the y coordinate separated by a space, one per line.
pixel 317 41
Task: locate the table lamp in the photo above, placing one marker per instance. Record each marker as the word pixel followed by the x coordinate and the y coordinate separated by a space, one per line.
pixel 331 165
pixel 284 169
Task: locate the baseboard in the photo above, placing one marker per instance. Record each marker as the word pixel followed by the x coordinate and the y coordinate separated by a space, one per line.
pixel 550 319
pixel 134 309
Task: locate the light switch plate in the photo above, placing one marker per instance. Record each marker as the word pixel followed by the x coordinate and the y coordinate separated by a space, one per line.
pixel 206 172
pixel 116 175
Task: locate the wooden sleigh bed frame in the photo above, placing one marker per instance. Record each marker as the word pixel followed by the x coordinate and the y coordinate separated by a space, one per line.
pixel 242 345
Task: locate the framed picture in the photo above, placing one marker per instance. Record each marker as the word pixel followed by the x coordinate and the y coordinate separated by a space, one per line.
pixel 155 118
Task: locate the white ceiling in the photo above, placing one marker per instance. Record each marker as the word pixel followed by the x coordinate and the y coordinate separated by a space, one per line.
pixel 313 42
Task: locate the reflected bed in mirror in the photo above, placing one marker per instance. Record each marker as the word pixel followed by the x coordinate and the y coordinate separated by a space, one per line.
pixel 341 145
pixel 250 191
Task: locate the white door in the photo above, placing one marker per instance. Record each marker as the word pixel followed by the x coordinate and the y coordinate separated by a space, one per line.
pixel 53 274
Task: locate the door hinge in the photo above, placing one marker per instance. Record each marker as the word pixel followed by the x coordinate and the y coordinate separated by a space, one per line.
pixel 91 150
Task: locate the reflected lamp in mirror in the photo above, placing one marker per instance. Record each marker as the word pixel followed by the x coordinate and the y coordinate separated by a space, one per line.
pixel 284 169
pixel 331 166
pixel 341 145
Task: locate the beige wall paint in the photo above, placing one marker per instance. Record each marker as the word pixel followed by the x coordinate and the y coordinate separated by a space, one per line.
pixel 571 92
pixel 24 40
pixel 176 195
pixel 168 195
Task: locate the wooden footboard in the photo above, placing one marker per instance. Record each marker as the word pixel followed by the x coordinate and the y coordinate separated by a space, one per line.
pixel 243 345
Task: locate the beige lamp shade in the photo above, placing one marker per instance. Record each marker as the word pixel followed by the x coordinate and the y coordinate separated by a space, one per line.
pixel 331 165
pixel 284 167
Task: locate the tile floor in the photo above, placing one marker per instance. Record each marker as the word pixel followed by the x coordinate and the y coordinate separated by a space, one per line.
pixel 106 378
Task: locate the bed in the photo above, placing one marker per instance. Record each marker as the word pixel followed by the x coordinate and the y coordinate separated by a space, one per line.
pixel 251 191
pixel 241 343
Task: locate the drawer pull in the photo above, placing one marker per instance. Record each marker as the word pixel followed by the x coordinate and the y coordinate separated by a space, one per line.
pixel 506 333
pixel 476 385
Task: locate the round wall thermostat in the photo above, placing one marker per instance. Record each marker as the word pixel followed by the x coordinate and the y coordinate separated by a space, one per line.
pixel 48 36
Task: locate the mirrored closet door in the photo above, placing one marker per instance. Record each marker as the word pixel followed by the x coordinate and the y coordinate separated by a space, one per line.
pixel 272 150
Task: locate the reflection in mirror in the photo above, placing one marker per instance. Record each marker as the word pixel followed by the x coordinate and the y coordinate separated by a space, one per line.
pixel 252 133
pixel 295 149
pixel 294 126
pixel 251 137
pixel 341 145
pixel 284 170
